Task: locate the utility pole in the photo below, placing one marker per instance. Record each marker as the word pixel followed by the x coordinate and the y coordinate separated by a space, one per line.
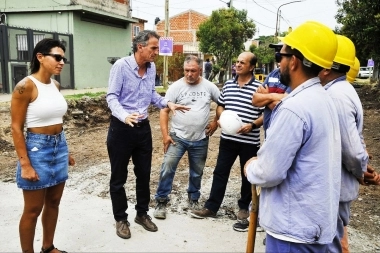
pixel 279 14
pixel 166 34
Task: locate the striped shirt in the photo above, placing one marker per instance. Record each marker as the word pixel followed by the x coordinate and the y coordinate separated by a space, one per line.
pixel 239 99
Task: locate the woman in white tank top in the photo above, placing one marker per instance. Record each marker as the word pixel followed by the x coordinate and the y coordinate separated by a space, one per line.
pixel 43 157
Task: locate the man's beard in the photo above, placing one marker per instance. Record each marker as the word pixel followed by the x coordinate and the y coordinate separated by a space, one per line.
pixel 285 76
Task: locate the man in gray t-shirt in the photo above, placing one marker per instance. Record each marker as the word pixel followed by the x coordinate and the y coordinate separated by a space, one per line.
pixel 189 132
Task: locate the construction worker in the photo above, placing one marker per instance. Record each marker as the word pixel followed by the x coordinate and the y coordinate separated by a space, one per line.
pixel 353 72
pixel 298 165
pixel 369 175
pixel 350 111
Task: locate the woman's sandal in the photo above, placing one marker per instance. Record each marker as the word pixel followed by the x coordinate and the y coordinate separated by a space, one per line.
pixel 50 249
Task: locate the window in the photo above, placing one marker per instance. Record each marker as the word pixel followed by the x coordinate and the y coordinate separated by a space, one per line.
pixel 136 30
pixel 22 47
pixel 37 38
pixel 22 44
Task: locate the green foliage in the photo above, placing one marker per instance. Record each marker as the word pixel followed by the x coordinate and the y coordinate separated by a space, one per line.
pixel 161 90
pixel 99 94
pixel 175 66
pixel 223 34
pixel 86 94
pixel 361 23
pixel 216 68
pixel 264 54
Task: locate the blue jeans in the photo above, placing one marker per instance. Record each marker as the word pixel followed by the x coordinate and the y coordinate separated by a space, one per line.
pixel 49 156
pixel 197 153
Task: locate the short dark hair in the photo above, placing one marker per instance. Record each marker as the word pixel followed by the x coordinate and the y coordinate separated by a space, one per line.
pixel 43 47
pixel 253 60
pixel 340 68
pixel 143 37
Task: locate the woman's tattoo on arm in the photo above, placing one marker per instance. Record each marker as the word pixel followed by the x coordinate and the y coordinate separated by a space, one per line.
pixel 20 88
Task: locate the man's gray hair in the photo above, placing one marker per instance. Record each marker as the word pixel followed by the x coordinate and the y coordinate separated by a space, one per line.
pixel 143 37
pixel 191 57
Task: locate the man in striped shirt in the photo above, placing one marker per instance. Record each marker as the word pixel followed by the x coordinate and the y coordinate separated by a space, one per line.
pixel 236 96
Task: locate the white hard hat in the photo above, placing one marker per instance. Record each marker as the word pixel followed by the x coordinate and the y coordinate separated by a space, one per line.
pixel 230 122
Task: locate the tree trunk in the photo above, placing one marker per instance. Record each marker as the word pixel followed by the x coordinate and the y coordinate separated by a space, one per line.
pixel 221 77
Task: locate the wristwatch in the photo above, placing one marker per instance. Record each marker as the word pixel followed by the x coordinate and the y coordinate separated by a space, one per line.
pixel 254 126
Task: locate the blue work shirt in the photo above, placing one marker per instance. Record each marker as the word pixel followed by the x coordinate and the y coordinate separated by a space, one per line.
pixel 354 154
pixel 128 92
pixel 298 167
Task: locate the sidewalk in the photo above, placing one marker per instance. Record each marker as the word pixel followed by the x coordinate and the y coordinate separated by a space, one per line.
pixel 7 97
pixel 86 225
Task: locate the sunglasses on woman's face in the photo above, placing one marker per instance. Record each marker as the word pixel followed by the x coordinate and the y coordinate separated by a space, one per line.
pixel 57 57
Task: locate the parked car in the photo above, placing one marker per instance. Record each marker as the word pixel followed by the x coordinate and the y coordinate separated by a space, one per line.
pixel 365 72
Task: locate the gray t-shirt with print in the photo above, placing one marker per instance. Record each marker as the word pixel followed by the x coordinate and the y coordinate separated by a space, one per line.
pixel 190 125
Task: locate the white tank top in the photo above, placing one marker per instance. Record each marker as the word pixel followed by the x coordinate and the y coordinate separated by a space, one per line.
pixel 48 108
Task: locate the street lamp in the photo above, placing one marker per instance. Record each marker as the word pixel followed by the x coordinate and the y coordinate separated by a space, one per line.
pixel 278 9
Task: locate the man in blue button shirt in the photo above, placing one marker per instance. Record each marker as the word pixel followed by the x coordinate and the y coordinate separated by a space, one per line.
pixel 298 165
pixel 350 112
pixel 130 92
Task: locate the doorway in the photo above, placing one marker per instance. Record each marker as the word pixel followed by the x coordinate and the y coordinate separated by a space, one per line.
pixel 18 73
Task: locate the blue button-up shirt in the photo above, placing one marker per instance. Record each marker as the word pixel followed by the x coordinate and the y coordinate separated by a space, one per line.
pixel 298 166
pixel 354 154
pixel 128 92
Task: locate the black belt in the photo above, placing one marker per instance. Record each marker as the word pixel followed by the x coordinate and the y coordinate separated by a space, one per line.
pixel 141 123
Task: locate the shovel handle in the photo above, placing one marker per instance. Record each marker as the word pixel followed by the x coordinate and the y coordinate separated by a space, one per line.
pixel 253 221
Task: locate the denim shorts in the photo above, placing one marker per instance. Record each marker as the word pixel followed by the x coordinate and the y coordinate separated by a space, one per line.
pixel 49 156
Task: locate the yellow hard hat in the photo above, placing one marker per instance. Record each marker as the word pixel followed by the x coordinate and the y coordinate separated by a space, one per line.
pixel 345 54
pixel 317 43
pixel 354 70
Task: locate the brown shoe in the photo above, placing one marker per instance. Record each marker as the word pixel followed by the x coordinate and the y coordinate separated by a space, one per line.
pixel 146 222
pixel 122 229
pixel 203 213
pixel 242 215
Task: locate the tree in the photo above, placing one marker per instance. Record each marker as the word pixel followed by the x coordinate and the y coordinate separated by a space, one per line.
pixel 175 66
pixel 265 54
pixel 361 23
pixel 224 34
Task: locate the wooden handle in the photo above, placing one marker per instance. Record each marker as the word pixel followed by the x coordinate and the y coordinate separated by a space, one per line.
pixel 253 221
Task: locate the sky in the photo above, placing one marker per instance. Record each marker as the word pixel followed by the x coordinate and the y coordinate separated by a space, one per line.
pixel 262 12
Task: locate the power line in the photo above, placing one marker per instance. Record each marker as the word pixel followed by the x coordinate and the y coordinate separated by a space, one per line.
pixel 263 7
pixel 262 23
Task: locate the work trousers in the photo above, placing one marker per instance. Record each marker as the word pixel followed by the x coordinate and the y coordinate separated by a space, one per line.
pixel 228 152
pixel 124 142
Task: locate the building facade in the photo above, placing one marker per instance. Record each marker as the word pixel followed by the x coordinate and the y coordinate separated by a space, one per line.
pixel 183 28
pixel 94 31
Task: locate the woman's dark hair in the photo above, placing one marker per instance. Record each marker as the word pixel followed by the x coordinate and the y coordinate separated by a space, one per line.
pixel 43 47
